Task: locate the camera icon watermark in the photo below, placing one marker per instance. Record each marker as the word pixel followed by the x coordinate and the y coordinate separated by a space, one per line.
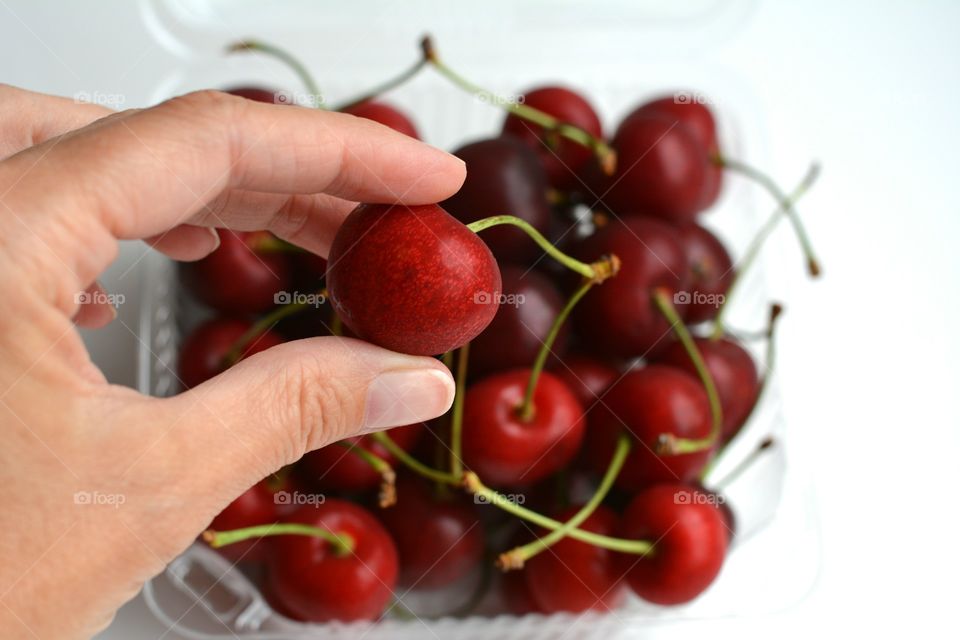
pixel 298 498
pixel 499 498
pixel 698 497
pixel 698 297
pixel 691 97
pixel 302 98
pixel 296 297
pixel 511 299
pixel 99 297
pixel 97 498
pixel 102 98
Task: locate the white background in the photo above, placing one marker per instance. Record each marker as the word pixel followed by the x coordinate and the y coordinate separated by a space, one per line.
pixel 868 357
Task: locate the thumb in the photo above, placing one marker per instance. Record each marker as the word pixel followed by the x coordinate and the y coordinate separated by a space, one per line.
pixel 270 409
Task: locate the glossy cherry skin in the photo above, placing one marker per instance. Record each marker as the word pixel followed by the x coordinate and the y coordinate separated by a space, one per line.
pixel 587 377
pixel 202 353
pixel 335 468
pixel 734 374
pixel 504 176
pixel 259 94
pixel 503 449
pixel 709 272
pixel 699 121
pixel 618 318
pixel 316 584
pixel 237 277
pixel 528 307
pixel 723 506
pixel 257 505
pixel 691 543
pixel 648 402
pixel 385 114
pixel 412 279
pixel 661 171
pixel 562 158
pixel 439 537
pixel 576 576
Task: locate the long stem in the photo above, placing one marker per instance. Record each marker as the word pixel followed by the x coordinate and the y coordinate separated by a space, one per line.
pixel 412 463
pixel 526 409
pixel 668 443
pixel 388 477
pixel 604 153
pixel 744 464
pixel 785 202
pixel 342 543
pixel 316 98
pixel 753 250
pixel 598 271
pixel 473 485
pixel 260 327
pixel 515 558
pixel 379 90
pixel 456 419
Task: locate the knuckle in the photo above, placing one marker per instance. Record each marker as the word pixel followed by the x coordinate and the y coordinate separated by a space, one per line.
pixel 206 100
pixel 318 406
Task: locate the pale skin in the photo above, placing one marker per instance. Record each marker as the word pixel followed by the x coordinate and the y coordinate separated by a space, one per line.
pixel 73 180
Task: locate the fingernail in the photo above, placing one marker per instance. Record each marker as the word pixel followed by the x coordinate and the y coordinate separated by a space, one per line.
pixel 404 396
pixel 216 238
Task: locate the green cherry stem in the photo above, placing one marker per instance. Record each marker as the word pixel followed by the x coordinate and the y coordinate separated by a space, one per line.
pixel 260 327
pixel 515 558
pixel 456 418
pixel 668 443
pixel 527 409
pixel 316 97
pixel 744 464
pixel 753 250
pixel 412 463
pixel 342 543
pixel 474 486
pixel 388 477
pixel 381 89
pixel 598 271
pixel 784 202
pixel 604 153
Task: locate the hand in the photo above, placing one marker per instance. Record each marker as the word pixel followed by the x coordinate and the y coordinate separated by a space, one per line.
pixel 151 473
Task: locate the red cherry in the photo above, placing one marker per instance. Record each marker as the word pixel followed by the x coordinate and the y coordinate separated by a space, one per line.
pixel 618 318
pixel 648 402
pixel 439 538
pixel 504 176
pixel 336 468
pixel 501 447
pixel 690 543
pixel 661 171
pixel 516 595
pixel 709 272
pixel 317 583
pixel 587 377
pixel 259 94
pixel 576 576
pixel 236 277
pixel 412 279
pixel 734 375
pixel 257 505
pixel 722 505
pixel 562 158
pixel 527 309
pixel 202 353
pixel 386 115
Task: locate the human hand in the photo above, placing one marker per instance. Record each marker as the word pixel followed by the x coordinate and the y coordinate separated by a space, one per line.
pixel 165 467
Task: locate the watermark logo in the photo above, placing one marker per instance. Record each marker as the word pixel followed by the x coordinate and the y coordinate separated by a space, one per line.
pixel 99 297
pixel 298 498
pixel 97 498
pixel 501 100
pixel 691 97
pixel 296 297
pixel 301 98
pixel 698 297
pixel 109 100
pixel 511 299
pixel 698 497
pixel 500 498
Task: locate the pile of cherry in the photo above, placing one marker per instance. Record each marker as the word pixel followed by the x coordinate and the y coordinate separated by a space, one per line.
pixel 574 294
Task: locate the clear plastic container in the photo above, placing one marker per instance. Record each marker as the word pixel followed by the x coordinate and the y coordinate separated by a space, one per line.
pixel 776 556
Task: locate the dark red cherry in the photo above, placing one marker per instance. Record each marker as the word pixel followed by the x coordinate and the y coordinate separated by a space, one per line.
pixel 587 377
pixel 203 353
pixel 690 543
pixel 260 504
pixel 575 576
pixel 385 114
pixel 411 279
pixel 529 305
pixel 501 447
pixel 734 375
pixel 648 402
pixel 661 171
pixel 504 176
pixel 515 594
pixel 618 318
pixel 718 500
pixel 335 468
pixel 317 583
pixel 260 94
pixel 438 536
pixel 239 277
pixel 562 158
pixel 709 273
